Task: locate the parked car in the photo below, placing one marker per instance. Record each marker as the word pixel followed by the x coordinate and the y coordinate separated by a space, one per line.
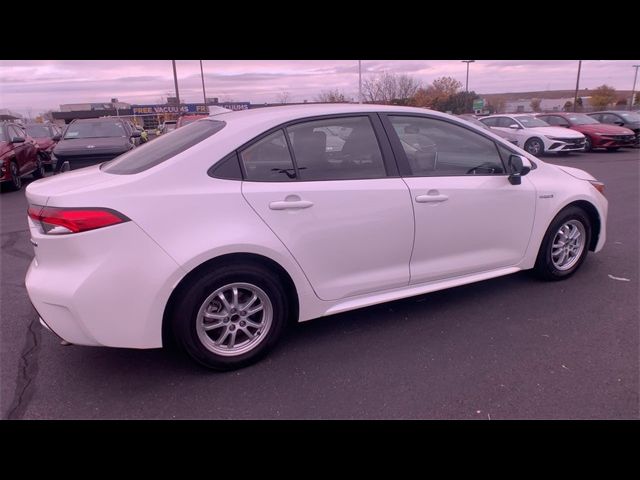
pixel 473 119
pixel 598 135
pixel 47 136
pixel 534 135
pixel 187 119
pixel 222 231
pixel 630 120
pixel 19 155
pixel 95 140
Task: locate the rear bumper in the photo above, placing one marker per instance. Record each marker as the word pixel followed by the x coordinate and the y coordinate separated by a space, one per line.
pixel 105 287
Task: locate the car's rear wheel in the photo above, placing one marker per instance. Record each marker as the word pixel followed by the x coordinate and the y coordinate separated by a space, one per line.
pixel 16 180
pixel 565 245
pixel 534 146
pixel 231 316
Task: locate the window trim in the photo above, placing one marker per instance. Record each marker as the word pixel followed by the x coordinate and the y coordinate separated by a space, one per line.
pixel 401 156
pixel 389 159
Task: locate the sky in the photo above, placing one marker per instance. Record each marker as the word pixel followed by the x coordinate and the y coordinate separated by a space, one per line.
pixel 33 86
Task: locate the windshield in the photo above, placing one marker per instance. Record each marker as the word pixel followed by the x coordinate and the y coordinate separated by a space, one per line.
pixel 38 131
pixel 531 122
pixel 95 130
pixel 630 116
pixel 581 119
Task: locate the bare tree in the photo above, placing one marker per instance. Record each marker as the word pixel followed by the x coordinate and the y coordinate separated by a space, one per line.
pixel 388 87
pixel 283 97
pixel 535 104
pixel 332 96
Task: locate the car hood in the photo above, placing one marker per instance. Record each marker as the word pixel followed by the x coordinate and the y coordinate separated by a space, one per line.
pixel 87 146
pixel 559 132
pixel 603 128
pixel 576 173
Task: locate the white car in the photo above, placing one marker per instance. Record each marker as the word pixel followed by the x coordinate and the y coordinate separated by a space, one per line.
pixel 534 135
pixel 221 232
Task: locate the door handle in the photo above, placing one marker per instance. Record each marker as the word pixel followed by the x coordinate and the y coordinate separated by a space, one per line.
pixel 431 198
pixel 290 205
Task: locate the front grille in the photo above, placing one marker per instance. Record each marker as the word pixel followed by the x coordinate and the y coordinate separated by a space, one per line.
pixel 620 138
pixel 572 141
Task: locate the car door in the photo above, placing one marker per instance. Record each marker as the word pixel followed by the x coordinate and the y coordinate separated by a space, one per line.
pixel 22 150
pixel 326 188
pixel 469 218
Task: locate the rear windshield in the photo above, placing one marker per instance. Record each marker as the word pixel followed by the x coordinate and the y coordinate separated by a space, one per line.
pixel 162 148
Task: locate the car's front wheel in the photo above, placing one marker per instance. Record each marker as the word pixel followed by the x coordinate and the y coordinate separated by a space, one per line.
pixel 588 146
pixel 39 172
pixel 231 316
pixel 534 146
pixel 565 245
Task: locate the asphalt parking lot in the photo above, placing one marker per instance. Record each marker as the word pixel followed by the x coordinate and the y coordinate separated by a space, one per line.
pixel 508 348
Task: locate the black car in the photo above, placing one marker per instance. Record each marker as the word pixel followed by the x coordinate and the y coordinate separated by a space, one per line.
pixel 92 141
pixel 630 120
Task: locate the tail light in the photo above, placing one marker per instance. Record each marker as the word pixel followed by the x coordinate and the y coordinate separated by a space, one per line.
pixel 60 221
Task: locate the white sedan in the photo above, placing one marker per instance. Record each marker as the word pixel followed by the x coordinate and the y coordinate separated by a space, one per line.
pixel 219 233
pixel 534 135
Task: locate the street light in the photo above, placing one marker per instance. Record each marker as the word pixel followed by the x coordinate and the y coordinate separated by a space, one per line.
pixel 204 94
pixel 575 97
pixel 633 91
pixel 360 81
pixel 175 80
pixel 467 62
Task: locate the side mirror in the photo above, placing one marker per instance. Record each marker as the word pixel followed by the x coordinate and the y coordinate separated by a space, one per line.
pixel 514 126
pixel 56 137
pixel 519 166
pixel 135 134
pixel 17 140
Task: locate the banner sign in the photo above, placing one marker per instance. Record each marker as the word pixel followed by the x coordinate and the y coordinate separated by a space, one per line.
pixel 185 108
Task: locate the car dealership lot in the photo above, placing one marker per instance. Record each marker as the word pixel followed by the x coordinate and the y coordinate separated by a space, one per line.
pixel 512 347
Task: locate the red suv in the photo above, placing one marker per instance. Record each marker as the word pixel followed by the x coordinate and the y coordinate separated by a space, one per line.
pixel 598 135
pixel 46 136
pixel 18 155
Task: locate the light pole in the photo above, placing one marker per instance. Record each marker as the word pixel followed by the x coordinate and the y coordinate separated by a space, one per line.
pixel 467 62
pixel 575 97
pixel 175 80
pixel 360 81
pixel 204 94
pixel 633 91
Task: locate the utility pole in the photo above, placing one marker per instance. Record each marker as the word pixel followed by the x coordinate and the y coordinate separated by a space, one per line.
pixel 467 62
pixel 175 80
pixel 204 94
pixel 575 98
pixel 633 92
pixel 360 81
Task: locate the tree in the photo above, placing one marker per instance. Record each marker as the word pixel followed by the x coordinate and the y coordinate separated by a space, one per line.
pixel 461 102
pixel 621 103
pixel 603 96
pixel 332 96
pixel 283 97
pixel 438 94
pixel 535 104
pixel 388 88
pixel 568 106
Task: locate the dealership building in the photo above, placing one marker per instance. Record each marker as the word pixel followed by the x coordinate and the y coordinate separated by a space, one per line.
pixel 148 116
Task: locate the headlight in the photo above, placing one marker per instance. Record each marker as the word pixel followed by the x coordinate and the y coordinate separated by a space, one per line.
pixel 601 133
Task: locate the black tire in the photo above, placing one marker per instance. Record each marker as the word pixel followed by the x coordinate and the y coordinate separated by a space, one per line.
pixel 545 267
pixel 534 146
pixel 588 146
pixel 184 315
pixel 613 149
pixel 40 170
pixel 16 180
